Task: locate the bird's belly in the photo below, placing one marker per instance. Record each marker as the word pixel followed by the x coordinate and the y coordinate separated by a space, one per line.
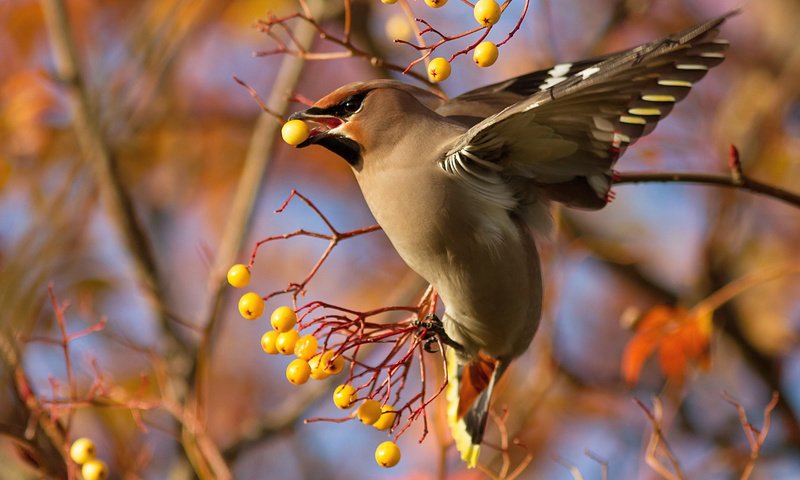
pixel 482 263
pixel 493 298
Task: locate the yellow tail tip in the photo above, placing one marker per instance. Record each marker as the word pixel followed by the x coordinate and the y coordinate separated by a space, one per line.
pixel 470 455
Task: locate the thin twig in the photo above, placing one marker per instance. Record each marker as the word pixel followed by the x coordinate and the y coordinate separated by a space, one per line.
pixel 103 164
pixel 755 437
pixel 602 461
pixel 657 440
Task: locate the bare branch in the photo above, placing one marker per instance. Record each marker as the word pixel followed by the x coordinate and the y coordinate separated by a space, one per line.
pixel 657 440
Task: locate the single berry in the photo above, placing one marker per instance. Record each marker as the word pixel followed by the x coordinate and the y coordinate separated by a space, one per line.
pixel 387 454
pixel 298 371
pixel 387 418
pixel 332 363
pixel 369 411
pixel 286 341
pixel 251 306
pixel 317 368
pixel 487 12
pixel 398 28
pixel 82 450
pixel 239 276
pixel 435 3
pixel 94 470
pixel 485 54
pixel 268 342
pixel 294 132
pixel 344 396
pixel 283 319
pixel 306 347
pixel 438 70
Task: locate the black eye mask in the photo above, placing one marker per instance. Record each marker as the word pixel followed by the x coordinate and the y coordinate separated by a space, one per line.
pixel 344 109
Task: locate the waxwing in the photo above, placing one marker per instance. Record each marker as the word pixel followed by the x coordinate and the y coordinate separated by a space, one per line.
pixel 460 185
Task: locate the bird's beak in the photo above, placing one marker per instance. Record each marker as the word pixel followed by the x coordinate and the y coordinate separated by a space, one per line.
pixel 321 123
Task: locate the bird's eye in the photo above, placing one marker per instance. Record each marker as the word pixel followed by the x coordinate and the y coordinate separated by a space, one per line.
pixel 352 104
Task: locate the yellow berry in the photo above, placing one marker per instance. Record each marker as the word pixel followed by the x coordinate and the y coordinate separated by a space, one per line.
pixel 438 70
pixel 251 306
pixel 268 342
pixel 485 54
pixel 387 454
pixel 298 371
pixel 387 418
pixel 239 276
pixel 487 12
pixel 435 3
pixel 306 347
pixel 317 368
pixel 294 132
pixel 344 396
pixel 398 28
pixel 389 2
pixel 369 411
pixel 332 365
pixel 286 341
pixel 283 319
pixel 94 470
pixel 82 450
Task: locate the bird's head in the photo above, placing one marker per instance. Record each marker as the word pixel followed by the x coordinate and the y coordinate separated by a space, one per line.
pixel 349 120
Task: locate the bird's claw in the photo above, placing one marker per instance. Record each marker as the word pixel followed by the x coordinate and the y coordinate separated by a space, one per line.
pixel 433 330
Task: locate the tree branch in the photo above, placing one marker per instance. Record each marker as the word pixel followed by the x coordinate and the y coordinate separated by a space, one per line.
pixel 247 193
pixel 101 161
pixel 744 183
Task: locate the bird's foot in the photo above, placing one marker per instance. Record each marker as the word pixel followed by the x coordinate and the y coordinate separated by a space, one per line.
pixel 433 330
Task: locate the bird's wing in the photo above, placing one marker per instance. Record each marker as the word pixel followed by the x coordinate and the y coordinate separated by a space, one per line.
pixel 578 126
pixel 476 105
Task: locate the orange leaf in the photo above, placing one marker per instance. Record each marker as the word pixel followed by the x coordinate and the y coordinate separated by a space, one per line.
pixel 678 336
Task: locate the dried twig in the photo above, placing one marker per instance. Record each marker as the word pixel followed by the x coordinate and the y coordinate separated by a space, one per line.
pixel 657 442
pixel 755 437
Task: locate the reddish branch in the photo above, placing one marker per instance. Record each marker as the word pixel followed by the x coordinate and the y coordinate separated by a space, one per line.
pixel 277 29
pixel 381 375
pixel 334 237
pixel 427 50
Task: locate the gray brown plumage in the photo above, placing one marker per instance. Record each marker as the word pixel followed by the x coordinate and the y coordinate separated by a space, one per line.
pixel 459 185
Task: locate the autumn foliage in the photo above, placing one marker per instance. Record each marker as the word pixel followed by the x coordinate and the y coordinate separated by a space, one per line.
pixel 135 171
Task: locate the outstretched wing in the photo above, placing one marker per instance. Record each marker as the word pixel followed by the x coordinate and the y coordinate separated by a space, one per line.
pixel 567 135
pixel 472 107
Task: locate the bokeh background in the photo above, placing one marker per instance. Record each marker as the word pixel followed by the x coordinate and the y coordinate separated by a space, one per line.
pixel 179 130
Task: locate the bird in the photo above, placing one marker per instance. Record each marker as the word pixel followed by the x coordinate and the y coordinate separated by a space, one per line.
pixel 463 187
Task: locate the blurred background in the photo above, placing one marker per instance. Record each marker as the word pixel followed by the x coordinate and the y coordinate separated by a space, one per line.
pixel 180 134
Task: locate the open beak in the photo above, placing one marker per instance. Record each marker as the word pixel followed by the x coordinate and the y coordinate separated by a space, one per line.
pixel 319 124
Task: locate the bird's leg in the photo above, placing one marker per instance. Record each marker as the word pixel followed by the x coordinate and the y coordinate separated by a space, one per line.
pixel 433 329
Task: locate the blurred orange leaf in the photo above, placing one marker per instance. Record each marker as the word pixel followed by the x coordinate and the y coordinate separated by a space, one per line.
pixel 678 336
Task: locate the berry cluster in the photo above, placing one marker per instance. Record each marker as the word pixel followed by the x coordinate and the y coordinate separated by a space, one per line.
pixel 484 53
pixel 83 452
pixel 337 342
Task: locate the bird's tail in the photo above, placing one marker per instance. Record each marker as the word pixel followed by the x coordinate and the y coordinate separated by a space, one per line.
pixel 469 391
